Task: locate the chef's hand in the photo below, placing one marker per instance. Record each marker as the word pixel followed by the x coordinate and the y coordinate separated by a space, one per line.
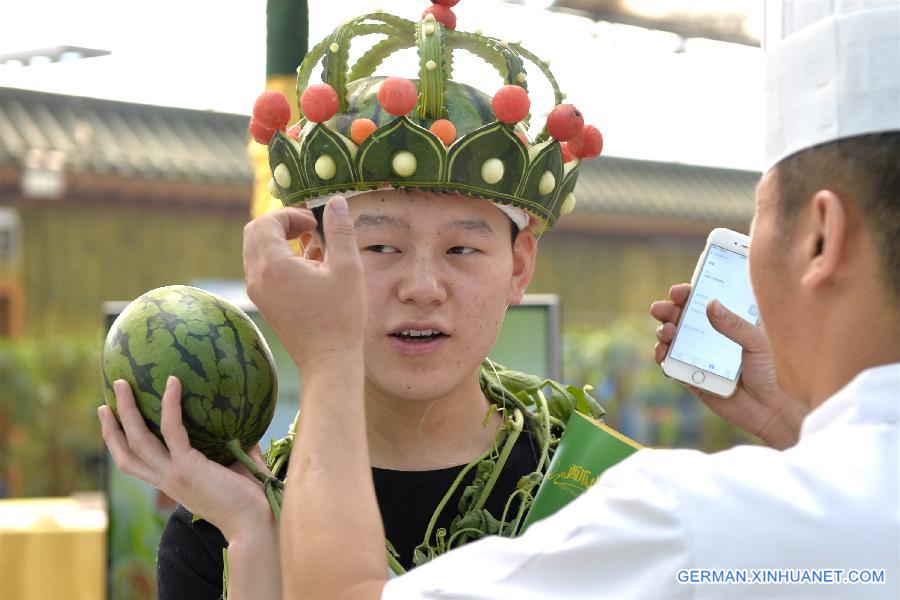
pixel 228 497
pixel 317 308
pixel 758 405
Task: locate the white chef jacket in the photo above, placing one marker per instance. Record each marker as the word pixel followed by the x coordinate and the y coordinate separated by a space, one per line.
pixel 831 502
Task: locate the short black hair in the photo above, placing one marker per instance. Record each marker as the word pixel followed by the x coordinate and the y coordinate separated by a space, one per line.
pixel 319 214
pixel 864 168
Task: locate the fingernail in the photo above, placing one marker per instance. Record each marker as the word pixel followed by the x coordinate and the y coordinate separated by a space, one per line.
pixel 170 382
pixel 659 329
pixel 718 309
pixel 339 205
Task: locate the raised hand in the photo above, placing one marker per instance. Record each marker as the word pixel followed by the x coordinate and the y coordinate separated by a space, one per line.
pixel 228 497
pixel 317 308
pixel 758 405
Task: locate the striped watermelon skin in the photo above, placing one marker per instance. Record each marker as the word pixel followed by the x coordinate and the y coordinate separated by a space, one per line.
pixel 227 373
pixel 469 108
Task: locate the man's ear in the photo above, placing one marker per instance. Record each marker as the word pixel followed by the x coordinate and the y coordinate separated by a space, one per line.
pixel 524 259
pixel 311 245
pixel 826 238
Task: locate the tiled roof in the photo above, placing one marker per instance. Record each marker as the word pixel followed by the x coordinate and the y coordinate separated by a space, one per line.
pixel 135 140
pixel 620 186
pixel 132 140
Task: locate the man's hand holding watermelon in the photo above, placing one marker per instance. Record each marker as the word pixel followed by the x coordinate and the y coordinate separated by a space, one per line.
pixel 228 497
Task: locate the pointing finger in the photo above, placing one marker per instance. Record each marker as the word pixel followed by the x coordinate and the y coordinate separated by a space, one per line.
pixel 146 445
pixel 170 422
pixel 750 337
pixel 126 461
pixel 340 236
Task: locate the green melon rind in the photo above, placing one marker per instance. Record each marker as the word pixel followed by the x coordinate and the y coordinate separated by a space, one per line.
pixel 227 372
pixel 375 154
pixel 432 98
pixel 334 63
pixel 548 158
pixel 339 148
pixel 282 150
pixel 570 179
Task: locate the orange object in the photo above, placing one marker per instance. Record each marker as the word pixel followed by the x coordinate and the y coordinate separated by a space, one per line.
pixel 361 129
pixel 445 130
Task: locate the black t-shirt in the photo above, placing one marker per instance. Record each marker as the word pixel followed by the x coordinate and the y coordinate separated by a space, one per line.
pixel 189 560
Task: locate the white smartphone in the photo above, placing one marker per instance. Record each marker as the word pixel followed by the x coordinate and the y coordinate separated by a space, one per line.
pixel 699 355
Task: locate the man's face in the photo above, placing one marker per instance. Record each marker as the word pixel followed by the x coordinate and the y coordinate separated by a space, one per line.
pixel 440 273
pixel 776 285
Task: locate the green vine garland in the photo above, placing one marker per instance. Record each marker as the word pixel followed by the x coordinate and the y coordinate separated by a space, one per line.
pixel 521 401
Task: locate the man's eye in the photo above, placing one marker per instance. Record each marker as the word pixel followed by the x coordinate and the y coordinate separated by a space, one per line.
pixel 461 250
pixel 382 249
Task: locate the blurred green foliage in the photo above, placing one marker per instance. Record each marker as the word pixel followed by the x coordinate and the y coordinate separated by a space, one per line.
pixel 50 442
pixel 640 401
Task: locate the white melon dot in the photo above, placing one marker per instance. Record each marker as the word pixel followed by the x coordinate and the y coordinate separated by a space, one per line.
pixel 273 191
pixel 282 176
pixel 431 65
pixel 325 167
pixel 492 170
pixel 568 204
pixel 521 77
pixel 404 163
pixel 547 183
pixel 428 29
pixel 334 47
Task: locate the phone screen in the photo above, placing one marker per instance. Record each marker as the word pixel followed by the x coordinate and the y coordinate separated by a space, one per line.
pixel 723 277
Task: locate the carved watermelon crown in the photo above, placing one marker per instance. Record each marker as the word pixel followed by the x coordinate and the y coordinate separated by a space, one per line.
pixel 359 132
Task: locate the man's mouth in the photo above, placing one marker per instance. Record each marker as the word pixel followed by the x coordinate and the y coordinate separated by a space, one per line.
pixel 418 335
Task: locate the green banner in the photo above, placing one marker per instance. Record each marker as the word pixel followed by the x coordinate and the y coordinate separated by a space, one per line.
pixel 587 448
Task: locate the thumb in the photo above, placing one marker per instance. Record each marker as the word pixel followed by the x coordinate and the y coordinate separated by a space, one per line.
pixel 750 337
pixel 340 236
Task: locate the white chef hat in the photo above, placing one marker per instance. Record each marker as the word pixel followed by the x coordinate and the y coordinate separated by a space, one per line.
pixel 832 72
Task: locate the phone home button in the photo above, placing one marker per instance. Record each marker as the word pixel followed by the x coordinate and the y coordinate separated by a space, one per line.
pixel 698 377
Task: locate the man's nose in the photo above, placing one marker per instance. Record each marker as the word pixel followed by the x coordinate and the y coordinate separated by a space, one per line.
pixel 422 283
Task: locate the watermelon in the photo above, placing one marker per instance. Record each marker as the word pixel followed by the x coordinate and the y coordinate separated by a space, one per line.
pixel 468 107
pixel 227 372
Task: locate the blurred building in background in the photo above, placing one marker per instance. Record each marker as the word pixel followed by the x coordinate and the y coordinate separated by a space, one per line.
pixel 104 200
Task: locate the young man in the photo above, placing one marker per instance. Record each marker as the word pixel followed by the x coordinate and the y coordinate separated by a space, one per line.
pixel 821 518
pixel 439 274
pixel 453 454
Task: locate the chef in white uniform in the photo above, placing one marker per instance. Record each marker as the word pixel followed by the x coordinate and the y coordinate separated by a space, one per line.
pixel 819 519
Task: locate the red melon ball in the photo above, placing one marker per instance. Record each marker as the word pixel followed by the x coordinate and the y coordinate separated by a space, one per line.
pixel 397 96
pixel 319 102
pixel 588 143
pixel 511 104
pixel 566 152
pixel 262 135
pixel 442 14
pixel 565 122
pixel 272 110
pixel 445 2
